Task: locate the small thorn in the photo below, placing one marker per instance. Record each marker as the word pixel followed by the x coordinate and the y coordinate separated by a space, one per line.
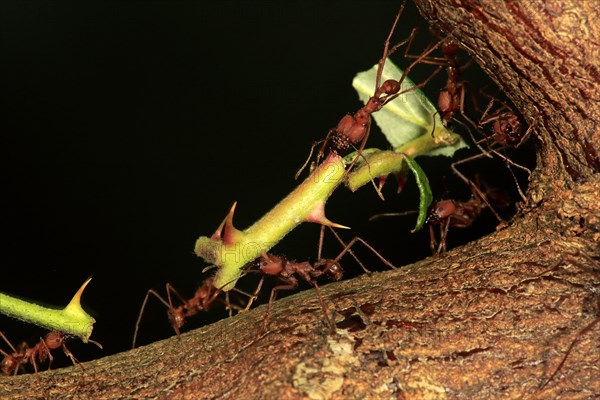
pixel 332 224
pixel 401 177
pixel 382 179
pixel 75 303
pixel 317 215
pixel 220 230
pixel 229 232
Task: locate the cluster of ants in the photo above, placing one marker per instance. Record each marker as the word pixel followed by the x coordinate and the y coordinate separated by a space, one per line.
pixel 350 133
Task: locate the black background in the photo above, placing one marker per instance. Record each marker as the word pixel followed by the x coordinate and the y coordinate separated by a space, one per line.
pixel 130 127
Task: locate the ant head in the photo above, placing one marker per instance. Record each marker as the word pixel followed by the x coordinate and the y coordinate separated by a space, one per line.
pixel 450 48
pixel 507 129
pixel 390 87
pixel 176 318
pixel 332 269
pixel 441 210
pixel 54 339
pixel 8 364
pixel 271 265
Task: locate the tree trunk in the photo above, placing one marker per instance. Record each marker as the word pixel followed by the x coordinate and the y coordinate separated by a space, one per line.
pixel 513 315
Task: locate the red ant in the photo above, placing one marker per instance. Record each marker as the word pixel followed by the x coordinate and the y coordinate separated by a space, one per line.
pixel 451 98
pixel 288 272
pixel 507 128
pixel 506 131
pixel 202 300
pixel 22 355
pixel 451 213
pixel 451 101
pixel 355 128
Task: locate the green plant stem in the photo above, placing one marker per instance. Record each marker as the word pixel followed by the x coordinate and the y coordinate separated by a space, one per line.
pixel 384 162
pixel 72 319
pixel 230 249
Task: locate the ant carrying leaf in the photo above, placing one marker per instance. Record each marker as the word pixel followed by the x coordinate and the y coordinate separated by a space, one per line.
pixel 409 116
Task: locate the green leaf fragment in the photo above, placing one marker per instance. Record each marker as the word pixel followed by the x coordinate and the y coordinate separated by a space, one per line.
pixel 426 197
pixel 410 115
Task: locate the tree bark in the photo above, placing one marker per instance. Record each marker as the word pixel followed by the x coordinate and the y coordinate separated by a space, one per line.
pixel 513 315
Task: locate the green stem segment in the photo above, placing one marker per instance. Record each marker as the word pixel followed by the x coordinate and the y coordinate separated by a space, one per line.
pixel 230 249
pixel 72 319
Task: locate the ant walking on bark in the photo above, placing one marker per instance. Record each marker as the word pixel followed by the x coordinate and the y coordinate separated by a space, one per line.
pixel 203 299
pixel 288 272
pixel 451 213
pixel 507 131
pixel 23 354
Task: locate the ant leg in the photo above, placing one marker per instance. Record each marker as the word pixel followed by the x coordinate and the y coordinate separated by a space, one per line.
pixel 386 51
pixel 321 236
pixel 348 250
pixel 254 295
pixel 332 326
pixel 432 240
pixel 35 368
pixel 7 342
pixel 443 236
pixel 312 149
pixel 139 319
pixel 170 289
pixel 473 186
pixel 48 352
pixel 271 300
pixel 71 356
pixel 509 162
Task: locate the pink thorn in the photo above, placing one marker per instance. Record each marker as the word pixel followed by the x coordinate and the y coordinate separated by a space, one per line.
pixel 382 180
pixel 229 232
pixel 317 215
pixel 401 181
pixel 219 232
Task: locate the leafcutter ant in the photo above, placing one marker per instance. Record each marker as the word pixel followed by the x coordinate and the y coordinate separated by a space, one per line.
pixel 203 299
pixel 23 354
pixel 451 99
pixel 288 272
pixel 451 213
pixel 355 128
pixel 506 131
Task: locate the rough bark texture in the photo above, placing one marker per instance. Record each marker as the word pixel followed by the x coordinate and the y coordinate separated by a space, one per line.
pixel 513 315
